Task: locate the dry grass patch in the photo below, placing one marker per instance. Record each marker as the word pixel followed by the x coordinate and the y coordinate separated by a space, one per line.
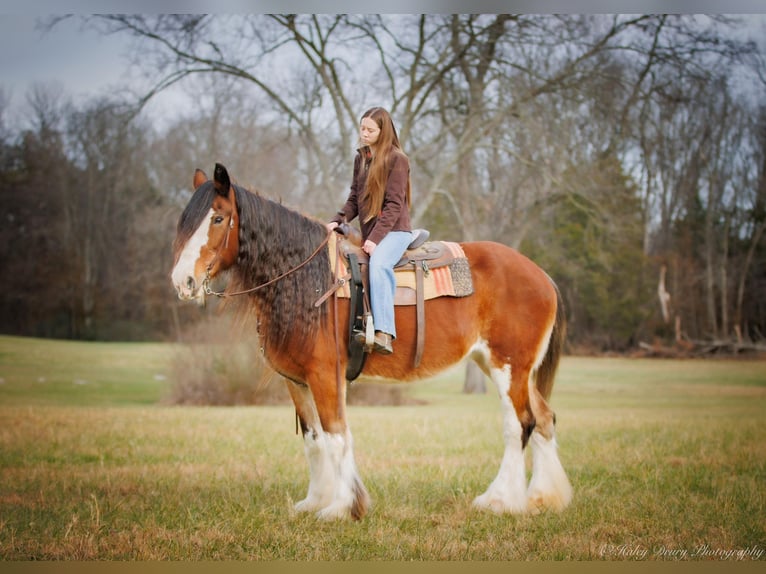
pixel 658 470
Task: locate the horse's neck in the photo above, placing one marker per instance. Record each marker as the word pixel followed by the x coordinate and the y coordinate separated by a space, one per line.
pixel 282 247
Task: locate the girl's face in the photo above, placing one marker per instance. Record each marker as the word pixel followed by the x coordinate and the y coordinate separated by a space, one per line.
pixel 369 132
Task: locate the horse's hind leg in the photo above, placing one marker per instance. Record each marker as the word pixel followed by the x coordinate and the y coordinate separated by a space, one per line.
pixel 508 492
pixel 549 486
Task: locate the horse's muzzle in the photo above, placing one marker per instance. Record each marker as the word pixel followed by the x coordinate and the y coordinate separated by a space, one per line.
pixel 190 290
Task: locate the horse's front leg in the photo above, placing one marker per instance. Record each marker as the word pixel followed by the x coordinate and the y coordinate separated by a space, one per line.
pixel 350 498
pixel 335 488
pixel 321 479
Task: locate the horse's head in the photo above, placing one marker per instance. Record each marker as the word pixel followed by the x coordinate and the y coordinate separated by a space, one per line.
pixel 207 238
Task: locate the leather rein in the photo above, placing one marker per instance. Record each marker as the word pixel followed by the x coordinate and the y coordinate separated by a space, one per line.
pixel 209 291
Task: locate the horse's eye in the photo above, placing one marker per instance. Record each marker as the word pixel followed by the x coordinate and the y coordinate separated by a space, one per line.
pixel 217 219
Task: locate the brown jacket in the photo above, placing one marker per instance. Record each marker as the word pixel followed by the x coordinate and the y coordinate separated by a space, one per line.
pixel 395 213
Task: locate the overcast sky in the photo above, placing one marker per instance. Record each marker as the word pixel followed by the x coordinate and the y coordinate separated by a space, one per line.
pixel 85 62
pixel 82 59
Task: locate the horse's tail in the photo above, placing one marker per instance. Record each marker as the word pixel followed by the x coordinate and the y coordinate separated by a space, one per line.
pixel 546 372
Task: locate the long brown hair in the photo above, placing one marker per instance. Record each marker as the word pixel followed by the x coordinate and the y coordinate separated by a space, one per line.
pixel 385 148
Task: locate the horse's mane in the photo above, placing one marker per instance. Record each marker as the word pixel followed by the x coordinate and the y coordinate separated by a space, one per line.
pixel 272 240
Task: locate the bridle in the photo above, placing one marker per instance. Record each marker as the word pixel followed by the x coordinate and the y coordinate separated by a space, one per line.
pixel 218 255
pixel 206 282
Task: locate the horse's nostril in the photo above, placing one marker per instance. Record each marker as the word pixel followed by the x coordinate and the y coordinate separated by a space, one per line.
pixel 190 283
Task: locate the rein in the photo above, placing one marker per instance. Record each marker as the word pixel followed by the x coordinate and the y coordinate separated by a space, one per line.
pixel 209 291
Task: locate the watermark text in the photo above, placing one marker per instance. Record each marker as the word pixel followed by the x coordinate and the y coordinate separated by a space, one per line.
pixel 633 551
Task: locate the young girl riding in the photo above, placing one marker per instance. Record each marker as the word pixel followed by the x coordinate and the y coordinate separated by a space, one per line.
pixel 380 197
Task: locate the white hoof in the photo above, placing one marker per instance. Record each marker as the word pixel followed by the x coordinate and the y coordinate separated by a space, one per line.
pixel 556 498
pixel 334 512
pixel 306 505
pixel 498 505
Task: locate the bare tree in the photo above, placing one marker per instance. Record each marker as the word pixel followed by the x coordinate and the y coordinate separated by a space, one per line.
pixel 752 224
pixel 510 122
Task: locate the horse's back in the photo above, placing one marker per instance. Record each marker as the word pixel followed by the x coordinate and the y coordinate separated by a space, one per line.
pixel 512 306
pixel 507 273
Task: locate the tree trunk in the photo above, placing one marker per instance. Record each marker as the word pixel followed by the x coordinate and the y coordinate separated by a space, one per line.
pixel 710 257
pixel 738 316
pixel 475 380
pixel 724 279
pixel 664 296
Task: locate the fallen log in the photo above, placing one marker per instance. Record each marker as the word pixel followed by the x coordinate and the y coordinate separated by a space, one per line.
pixel 691 348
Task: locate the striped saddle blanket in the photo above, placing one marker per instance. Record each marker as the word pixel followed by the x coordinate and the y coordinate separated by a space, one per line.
pixel 444 266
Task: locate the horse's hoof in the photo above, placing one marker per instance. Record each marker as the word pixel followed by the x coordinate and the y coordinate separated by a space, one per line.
pixel 497 505
pixel 334 512
pixel 539 501
pixel 536 504
pixel 305 505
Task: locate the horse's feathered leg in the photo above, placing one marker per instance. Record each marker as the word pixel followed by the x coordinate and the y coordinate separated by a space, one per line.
pixel 321 479
pixel 350 498
pixel 507 493
pixel 335 488
pixel 549 486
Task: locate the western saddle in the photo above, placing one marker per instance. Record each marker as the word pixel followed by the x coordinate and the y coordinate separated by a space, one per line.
pixel 421 256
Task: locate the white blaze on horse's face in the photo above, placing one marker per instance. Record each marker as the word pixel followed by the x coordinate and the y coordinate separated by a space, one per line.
pixel 188 274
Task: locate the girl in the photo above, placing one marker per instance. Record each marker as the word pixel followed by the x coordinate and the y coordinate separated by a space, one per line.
pixel 380 196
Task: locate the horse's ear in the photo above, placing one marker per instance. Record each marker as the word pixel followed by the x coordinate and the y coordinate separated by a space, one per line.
pixel 221 180
pixel 199 178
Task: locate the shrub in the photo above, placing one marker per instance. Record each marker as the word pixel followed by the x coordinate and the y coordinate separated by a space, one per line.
pixel 219 368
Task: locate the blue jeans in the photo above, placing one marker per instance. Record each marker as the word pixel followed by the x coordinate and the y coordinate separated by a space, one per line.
pixel 382 281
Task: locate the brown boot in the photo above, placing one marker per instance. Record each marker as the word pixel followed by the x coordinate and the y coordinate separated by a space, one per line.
pixel 383 343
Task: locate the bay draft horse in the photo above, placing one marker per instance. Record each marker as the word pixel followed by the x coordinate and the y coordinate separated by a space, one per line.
pixel 512 326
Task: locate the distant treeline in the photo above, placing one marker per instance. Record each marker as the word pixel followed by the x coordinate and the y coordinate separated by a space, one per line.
pixel 625 154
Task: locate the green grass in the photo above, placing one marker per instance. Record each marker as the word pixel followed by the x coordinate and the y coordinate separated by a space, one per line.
pixel 69 373
pixel 667 459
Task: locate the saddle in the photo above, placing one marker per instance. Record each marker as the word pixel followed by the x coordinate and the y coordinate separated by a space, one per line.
pixel 427 269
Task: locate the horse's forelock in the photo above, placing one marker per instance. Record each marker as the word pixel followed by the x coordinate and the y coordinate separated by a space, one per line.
pixel 193 214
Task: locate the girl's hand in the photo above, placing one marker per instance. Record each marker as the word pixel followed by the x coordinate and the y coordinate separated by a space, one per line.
pixel 369 247
pixel 332 225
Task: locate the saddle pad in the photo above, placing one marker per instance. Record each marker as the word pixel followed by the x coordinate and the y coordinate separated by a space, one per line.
pixel 453 280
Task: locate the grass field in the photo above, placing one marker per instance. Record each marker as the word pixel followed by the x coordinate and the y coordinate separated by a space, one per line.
pixel 667 459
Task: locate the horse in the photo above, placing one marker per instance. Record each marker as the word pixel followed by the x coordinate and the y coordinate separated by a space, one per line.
pixel 278 265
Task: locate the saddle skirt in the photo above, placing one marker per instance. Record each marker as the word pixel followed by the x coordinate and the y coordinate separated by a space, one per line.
pixel 444 265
